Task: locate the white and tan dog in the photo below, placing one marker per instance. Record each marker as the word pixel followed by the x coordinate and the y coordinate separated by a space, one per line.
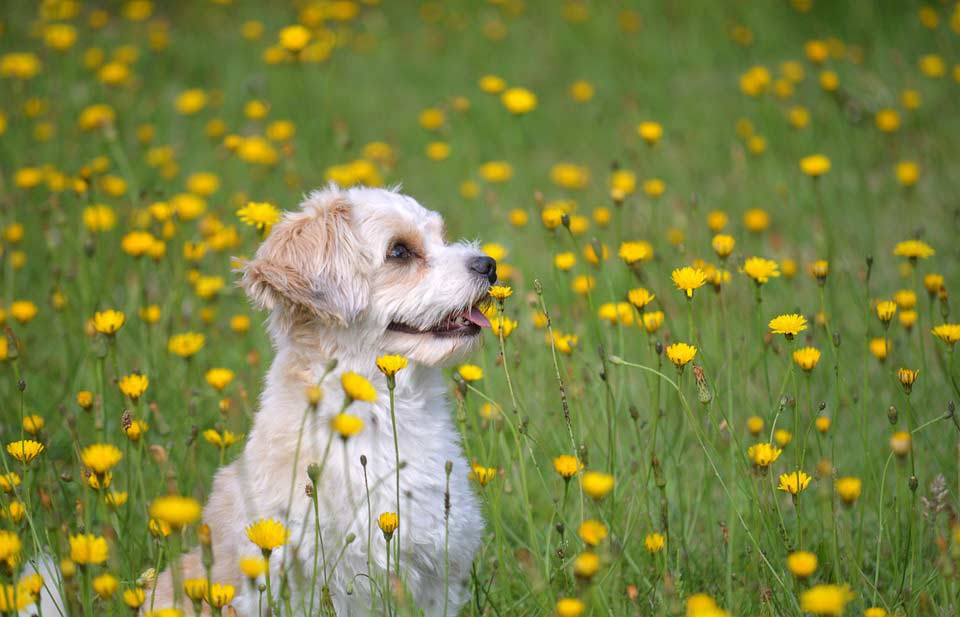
pixel 355 274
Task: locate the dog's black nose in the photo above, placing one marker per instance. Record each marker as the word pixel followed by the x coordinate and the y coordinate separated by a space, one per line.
pixel 484 266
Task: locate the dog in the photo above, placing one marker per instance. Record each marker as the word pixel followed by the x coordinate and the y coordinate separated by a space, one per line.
pixel 354 274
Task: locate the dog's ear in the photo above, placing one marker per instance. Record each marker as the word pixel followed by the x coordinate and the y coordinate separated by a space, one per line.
pixel 312 263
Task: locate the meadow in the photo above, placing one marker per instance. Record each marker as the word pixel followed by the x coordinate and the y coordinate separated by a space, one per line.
pixel 722 377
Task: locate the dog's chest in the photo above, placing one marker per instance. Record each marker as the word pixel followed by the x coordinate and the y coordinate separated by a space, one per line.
pixel 429 534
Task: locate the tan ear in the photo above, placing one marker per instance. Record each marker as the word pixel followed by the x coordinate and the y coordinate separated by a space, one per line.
pixel 311 263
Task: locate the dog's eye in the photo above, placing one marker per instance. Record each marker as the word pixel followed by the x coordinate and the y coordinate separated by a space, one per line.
pixel 399 251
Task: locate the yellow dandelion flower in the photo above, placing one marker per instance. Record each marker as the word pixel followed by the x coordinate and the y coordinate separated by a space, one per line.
pixel 133 385
pixel 789 325
pixel 794 482
pixel 108 322
pixel 688 279
pixel 262 215
pixel 357 387
pixel 25 450
pixel 175 510
pixel 596 484
pixel 267 534
pixel 101 457
pixel 802 563
pixel 88 549
pixel 826 599
pixel 763 454
pixel 761 270
pixel 681 353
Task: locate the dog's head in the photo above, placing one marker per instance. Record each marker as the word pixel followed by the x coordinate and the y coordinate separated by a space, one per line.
pixel 370 269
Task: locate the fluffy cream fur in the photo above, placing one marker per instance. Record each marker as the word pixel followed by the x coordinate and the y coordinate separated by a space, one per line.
pixel 331 292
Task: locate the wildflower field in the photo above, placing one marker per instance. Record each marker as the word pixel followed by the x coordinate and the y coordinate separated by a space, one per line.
pixel 722 373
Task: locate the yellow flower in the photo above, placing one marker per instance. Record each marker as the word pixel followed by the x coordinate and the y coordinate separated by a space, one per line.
pixel 357 387
pixel 581 91
pixel 756 220
pixel 886 310
pixel 650 132
pixel 802 563
pixel 913 249
pixel 495 172
pixel 108 322
pixel 470 372
pixel 763 454
pixel 175 510
pixel 346 425
pixel 134 598
pixel 10 546
pixel 99 218
pixel 88 549
pixel 789 325
pixel 223 439
pixel 268 534
pixel 634 252
pixel 948 333
pixel 100 457
pixel 482 475
pixel 253 567
pixel 806 357
pixel 219 378
pixel 438 150
pixel 782 437
pixel 8 481
pixel 432 118
pixel 388 523
pixel 105 585
pixel 876 611
pixel 262 215
pixel 294 38
pixel 905 298
pixel 826 599
pixel 848 489
pixel 688 279
pixel 219 595
pixel 681 353
pixel 754 425
pixel 761 270
pixel 15 511
pixel 186 345
pixel 723 245
pixel 519 100
pixel 880 347
pixel 654 187
pixel 908 173
pixel 586 565
pixel 190 102
pixel 492 84
pixel 115 499
pixel 900 443
pixel 887 120
pixel 794 482
pixel 654 543
pixel 159 529
pixel 640 297
pixel 24 450
pixel 136 430
pixel 822 423
pixel 23 310
pixel 596 484
pixel 391 365
pixel 815 165
pixel 195 588
pixel 570 607
pixel 907 378
pixel 133 385
pixel 652 321
pixel 567 466
pixel 501 292
pixel 592 532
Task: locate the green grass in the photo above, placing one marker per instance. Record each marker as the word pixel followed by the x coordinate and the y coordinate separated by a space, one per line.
pixel 728 531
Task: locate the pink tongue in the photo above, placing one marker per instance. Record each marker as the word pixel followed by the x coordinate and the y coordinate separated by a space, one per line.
pixel 475 316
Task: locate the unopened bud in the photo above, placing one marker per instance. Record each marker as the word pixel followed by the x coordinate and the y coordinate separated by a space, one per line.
pixel 313 471
pixel 892 414
pixel 913 483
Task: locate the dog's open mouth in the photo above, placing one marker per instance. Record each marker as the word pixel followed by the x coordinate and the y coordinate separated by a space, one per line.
pixel 466 323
